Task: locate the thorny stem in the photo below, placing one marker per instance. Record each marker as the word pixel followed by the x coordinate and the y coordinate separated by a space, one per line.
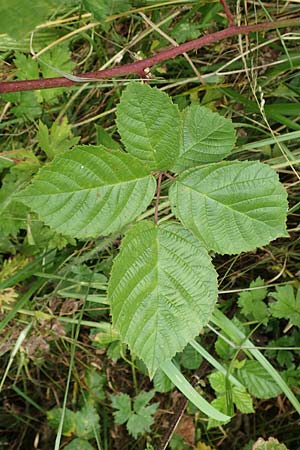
pixel 157 197
pixel 228 13
pixel 138 67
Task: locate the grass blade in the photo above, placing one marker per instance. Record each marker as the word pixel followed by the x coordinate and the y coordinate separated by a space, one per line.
pixel 228 327
pixel 187 389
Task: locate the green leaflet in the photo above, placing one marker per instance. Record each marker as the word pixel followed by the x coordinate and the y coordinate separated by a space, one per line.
pixel 28 104
pixel 287 305
pixel 105 139
pixel 252 302
pixel 57 139
pixel 270 444
pixel 162 290
pixel 19 17
pixel 231 206
pixel 104 8
pixel 258 381
pixel 90 191
pixel 139 418
pixel 69 425
pixel 87 422
pixel 242 400
pixel 83 423
pixel 207 137
pixel 149 125
pixel 58 57
pixel 79 444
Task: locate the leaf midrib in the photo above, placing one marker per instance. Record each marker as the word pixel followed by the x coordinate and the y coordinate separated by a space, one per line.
pixel 75 191
pixel 224 205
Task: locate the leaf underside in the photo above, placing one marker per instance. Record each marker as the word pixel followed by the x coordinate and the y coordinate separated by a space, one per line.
pixel 231 206
pixel 207 137
pixel 149 125
pixel 163 288
pixel 90 191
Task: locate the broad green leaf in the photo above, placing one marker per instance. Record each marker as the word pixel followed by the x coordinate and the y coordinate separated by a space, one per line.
pixel 231 206
pixel 69 425
pixel 58 139
pixel 239 337
pixel 190 358
pixel 142 399
pixel 140 418
pixel 87 422
pixel 207 137
pixel 284 356
pixel 238 394
pixel 242 400
pixel 19 17
pixel 161 382
pixel 217 380
pixel 258 381
pixel 79 444
pixel 104 8
pixel 90 191
pixel 27 104
pixel 115 351
pixel 163 288
pixel 122 403
pixel 105 139
pixel 178 443
pixel 58 57
pixel 12 212
pixel 149 125
pixel 292 378
pixel 186 31
pixel 141 422
pixel 220 403
pixel 287 305
pixel 95 385
pixel 27 67
pixel 26 107
pixel 270 444
pixel 252 303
